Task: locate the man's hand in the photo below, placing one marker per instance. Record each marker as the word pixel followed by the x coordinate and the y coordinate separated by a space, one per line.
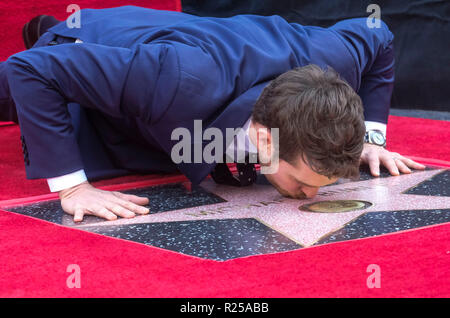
pixel 84 199
pixel 375 155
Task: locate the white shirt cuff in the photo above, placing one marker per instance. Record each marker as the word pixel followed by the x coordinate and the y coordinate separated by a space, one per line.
pixel 66 181
pixel 373 125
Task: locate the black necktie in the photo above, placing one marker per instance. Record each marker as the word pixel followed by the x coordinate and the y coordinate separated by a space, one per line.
pixel 245 177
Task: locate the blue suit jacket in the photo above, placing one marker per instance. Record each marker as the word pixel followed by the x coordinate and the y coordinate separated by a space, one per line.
pixel 161 70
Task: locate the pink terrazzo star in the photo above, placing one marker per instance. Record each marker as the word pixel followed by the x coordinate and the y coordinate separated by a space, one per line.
pixel 265 204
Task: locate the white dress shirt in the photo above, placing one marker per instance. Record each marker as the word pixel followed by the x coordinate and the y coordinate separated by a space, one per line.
pixel 373 125
pixel 241 145
pixel 66 181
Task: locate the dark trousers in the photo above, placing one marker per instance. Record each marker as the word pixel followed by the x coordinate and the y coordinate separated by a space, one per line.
pixel 8 110
pixel 7 107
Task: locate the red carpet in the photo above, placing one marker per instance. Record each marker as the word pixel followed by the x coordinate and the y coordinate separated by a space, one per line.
pixel 15 13
pixel 418 137
pixel 35 255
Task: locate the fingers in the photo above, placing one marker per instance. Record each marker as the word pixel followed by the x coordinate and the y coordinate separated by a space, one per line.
pixel 119 210
pixel 117 204
pixel 391 165
pixel 104 204
pixel 78 215
pixel 133 202
pixel 110 210
pixel 402 166
pixel 396 163
pixel 374 165
pixel 133 198
pixel 412 164
pixel 135 208
pixel 103 212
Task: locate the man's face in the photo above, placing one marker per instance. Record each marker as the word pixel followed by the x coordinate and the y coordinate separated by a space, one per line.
pixel 297 181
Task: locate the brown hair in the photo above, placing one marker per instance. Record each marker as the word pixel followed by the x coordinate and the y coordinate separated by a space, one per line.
pixel 320 118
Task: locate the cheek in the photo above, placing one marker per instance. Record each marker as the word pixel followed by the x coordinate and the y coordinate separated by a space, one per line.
pixel 291 186
pixel 282 181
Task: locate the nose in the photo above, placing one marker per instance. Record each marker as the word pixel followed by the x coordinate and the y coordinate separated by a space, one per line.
pixel 310 192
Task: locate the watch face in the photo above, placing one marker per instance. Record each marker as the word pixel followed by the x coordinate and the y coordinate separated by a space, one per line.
pixel 378 138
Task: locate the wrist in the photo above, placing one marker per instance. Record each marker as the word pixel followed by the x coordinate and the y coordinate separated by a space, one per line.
pixel 370 145
pixel 375 137
pixel 69 191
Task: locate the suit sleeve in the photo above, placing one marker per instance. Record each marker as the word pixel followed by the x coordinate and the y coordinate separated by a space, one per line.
pixel 373 52
pixel 117 81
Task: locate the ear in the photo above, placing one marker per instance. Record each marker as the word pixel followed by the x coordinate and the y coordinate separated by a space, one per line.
pixel 262 138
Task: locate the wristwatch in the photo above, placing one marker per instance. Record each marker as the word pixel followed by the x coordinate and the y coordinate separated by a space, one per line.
pixel 375 137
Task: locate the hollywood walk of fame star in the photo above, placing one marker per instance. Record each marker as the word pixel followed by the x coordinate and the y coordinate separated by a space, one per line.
pixel 265 204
